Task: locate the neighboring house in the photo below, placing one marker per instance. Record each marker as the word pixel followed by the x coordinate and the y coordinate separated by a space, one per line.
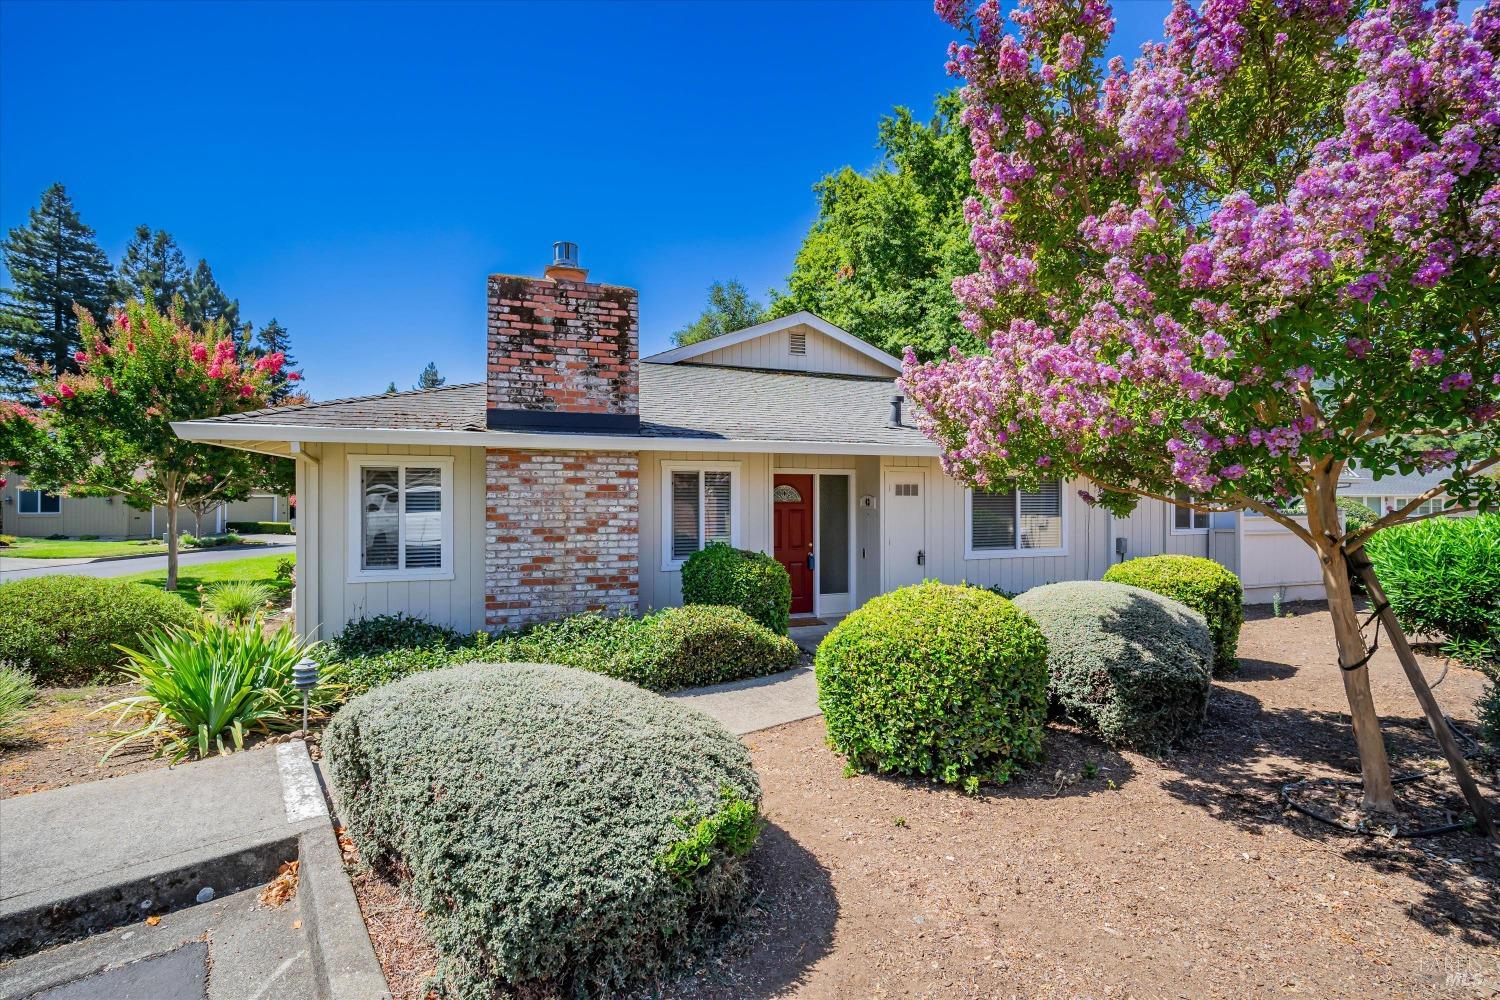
pixel 581 477
pixel 36 514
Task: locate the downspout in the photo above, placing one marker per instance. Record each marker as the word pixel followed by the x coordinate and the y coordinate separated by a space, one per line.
pixel 305 595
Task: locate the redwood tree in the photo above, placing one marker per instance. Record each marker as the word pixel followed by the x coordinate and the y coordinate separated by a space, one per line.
pixel 106 429
pixel 1266 249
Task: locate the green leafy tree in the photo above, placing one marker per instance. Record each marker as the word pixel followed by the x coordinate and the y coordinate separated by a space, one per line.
pixel 429 379
pixel 390 389
pixel 55 265
pixel 729 308
pixel 204 302
pixel 152 269
pixel 273 338
pixel 107 428
pixel 881 258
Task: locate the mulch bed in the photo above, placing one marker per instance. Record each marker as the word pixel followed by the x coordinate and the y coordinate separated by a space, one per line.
pixel 1103 874
pixel 59 742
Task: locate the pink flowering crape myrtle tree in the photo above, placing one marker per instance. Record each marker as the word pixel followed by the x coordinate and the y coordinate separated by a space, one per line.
pixel 107 429
pixel 1266 249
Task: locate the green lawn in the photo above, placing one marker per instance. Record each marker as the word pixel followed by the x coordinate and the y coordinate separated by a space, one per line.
pixel 41 548
pixel 259 569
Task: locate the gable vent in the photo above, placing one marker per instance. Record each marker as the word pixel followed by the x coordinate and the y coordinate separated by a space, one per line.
pixel 796 341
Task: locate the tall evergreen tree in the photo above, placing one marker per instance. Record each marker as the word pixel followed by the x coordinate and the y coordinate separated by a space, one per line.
pixel 729 308
pixel 390 390
pixel 54 265
pixel 273 338
pixel 153 266
pixel 430 379
pixel 204 302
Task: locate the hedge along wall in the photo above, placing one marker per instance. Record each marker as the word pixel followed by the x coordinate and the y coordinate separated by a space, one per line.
pixel 563 831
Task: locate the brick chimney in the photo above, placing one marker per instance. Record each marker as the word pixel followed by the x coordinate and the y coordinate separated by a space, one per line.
pixel 562 352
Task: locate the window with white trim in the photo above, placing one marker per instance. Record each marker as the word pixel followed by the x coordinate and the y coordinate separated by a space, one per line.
pixel 700 506
pixel 1015 522
pixel 38 502
pixel 401 518
pixel 1186 519
pixel 1422 509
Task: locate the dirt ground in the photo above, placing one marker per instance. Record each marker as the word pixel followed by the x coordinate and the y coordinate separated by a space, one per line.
pixel 1172 877
pixel 58 742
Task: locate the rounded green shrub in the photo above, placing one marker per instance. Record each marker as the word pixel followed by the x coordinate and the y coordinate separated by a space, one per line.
pixel 1356 515
pixel 1128 663
pixel 752 581
pixel 1203 585
pixel 64 629
pixel 564 833
pixel 1488 711
pixel 945 682
pixel 1442 577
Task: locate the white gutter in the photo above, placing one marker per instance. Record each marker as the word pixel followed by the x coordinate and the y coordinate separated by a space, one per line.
pixel 227 432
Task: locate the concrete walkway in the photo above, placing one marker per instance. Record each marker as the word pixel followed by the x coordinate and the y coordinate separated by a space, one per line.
pixel 82 867
pixel 762 702
pixel 12 568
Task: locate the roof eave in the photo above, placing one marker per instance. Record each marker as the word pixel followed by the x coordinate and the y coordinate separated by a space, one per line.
pixel 233 435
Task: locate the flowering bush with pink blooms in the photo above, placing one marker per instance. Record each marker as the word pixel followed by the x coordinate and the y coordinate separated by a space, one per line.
pixel 1264 250
pixel 106 429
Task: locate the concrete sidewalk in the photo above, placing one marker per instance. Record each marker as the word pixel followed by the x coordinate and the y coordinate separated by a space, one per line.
pixel 81 868
pixel 758 703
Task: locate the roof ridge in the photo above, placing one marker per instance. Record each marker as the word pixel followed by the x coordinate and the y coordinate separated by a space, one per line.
pixel 838 376
pixel 300 407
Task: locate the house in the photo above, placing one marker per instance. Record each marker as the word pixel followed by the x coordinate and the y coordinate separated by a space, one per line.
pixel 34 513
pixel 579 476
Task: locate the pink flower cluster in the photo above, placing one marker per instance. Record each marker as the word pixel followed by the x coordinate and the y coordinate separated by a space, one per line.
pixel 1137 321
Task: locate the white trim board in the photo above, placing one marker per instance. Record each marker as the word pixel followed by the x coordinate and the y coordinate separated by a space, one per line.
pixel 769 327
pixel 238 435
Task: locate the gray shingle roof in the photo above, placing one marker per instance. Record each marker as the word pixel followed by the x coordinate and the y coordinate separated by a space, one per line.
pixel 677 401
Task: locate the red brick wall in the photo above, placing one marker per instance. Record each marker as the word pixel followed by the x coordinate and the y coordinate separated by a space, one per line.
pixel 558 346
pixel 562 534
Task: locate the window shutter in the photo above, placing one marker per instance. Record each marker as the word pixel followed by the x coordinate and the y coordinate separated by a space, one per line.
pixel 684 514
pixel 423 502
pixel 717 497
pixel 1041 517
pixel 380 506
pixel 994 519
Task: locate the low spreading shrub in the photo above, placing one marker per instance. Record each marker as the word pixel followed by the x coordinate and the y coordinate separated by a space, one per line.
pixel 17 694
pixel 752 581
pixel 1128 663
pixel 236 601
pixel 203 685
pixel 64 629
pixel 384 633
pixel 260 527
pixel 664 651
pixel 209 541
pixel 943 682
pixel 563 833
pixel 7 540
pixel 1442 577
pixel 1203 585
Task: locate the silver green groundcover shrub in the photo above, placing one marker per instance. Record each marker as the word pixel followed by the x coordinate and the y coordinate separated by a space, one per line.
pixel 563 832
pixel 1128 663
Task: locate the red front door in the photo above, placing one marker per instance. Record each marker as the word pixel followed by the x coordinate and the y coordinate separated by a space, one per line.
pixel 793 539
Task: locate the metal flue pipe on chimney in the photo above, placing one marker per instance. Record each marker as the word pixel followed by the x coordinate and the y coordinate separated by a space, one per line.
pixel 896 402
pixel 565 263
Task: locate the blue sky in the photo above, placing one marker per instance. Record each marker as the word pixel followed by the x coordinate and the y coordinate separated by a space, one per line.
pixel 355 170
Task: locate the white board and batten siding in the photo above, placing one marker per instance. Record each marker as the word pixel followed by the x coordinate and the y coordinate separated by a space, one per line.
pixel 1084 554
pixel 779 351
pixel 456 602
